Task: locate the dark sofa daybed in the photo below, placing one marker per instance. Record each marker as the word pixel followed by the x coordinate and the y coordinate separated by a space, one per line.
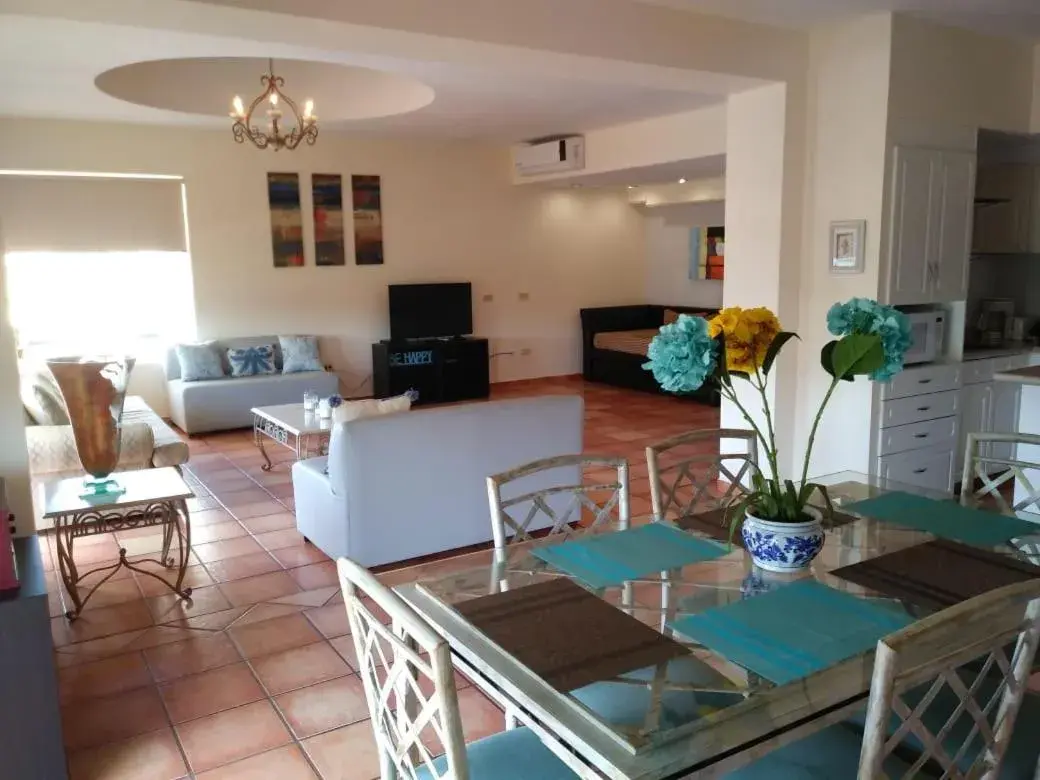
pixel 614 341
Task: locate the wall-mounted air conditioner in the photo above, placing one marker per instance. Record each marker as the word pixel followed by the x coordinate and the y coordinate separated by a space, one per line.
pixel 564 154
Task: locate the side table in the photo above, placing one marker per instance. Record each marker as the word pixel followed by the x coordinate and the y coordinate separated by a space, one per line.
pixel 303 432
pixel 153 497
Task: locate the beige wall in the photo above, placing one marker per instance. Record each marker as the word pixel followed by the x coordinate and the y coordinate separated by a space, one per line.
pixel 947 82
pixel 668 254
pixel 14 457
pixel 450 213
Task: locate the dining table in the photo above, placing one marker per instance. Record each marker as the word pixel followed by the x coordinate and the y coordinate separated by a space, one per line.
pixel 632 672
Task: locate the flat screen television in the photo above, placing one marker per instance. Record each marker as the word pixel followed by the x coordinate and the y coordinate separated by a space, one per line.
pixel 424 311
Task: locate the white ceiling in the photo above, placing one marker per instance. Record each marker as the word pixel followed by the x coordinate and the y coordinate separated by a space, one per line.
pixel 469 102
pixel 1018 18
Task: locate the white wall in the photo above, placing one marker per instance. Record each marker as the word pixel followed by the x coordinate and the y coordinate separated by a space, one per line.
pixel 668 254
pixel 450 212
pixel 845 175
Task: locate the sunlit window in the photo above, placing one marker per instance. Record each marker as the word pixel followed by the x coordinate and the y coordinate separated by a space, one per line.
pixel 74 303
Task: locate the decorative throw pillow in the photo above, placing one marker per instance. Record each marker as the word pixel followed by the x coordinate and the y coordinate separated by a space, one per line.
pixel 251 361
pixel 199 361
pixel 41 397
pixel 371 407
pixel 299 353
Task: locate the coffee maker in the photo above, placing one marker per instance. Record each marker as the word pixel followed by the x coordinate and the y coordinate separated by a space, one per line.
pixel 995 321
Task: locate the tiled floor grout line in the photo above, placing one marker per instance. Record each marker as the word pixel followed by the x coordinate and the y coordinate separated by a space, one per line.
pixel 169 717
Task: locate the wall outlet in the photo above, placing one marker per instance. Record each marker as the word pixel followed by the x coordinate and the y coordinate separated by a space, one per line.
pixel 525 351
pixel 524 296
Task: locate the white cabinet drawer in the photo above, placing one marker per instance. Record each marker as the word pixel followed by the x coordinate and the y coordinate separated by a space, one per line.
pixel 930 433
pixel 976 372
pixel 923 379
pixel 928 468
pixel 903 411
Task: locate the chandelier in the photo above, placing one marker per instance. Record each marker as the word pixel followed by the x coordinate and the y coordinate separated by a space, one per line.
pixel 306 127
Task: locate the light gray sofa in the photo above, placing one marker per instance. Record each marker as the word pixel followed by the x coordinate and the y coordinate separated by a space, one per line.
pixel 223 404
pixel 413 483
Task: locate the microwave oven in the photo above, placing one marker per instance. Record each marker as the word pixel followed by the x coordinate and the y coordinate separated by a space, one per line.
pixel 927 331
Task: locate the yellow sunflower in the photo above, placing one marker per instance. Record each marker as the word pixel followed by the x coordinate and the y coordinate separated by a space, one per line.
pixel 749 332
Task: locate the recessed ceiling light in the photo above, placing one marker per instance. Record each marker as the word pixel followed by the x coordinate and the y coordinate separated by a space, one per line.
pixel 631 186
pixel 682 181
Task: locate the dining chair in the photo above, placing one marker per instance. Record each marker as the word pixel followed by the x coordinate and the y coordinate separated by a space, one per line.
pixel 986 453
pixel 685 470
pixel 944 699
pixel 419 735
pixel 560 505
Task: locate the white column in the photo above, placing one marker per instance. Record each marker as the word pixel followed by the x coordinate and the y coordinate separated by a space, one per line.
pixel 764 148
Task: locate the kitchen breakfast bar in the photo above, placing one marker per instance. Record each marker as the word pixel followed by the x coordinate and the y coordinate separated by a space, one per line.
pixel 1028 423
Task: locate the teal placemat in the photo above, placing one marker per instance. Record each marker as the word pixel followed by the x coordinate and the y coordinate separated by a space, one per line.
pixel 611 559
pixel 945 519
pixel 795 631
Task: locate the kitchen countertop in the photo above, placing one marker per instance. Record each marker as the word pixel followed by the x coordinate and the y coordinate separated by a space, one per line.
pixel 1030 375
pixel 983 353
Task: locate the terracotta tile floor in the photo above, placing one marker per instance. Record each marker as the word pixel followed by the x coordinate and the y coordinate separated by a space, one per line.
pixel 255 678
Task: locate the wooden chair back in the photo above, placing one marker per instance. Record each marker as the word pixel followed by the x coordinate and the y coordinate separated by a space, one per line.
pixel 411 728
pixel 988 453
pixel 685 470
pixel 509 528
pixel 945 650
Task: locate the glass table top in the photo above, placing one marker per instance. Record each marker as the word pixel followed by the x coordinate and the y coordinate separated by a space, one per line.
pixel 709 701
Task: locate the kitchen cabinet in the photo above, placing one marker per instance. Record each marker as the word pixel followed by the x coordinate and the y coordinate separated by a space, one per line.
pixel 988 406
pixel 1003 221
pixel 932 201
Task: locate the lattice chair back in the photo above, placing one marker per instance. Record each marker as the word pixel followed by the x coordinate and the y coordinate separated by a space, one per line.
pixel 398 662
pixel 989 453
pixel 958 659
pixel 686 470
pixel 602 495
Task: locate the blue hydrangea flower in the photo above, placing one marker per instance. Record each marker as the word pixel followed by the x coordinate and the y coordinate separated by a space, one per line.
pixel 866 316
pixel 682 355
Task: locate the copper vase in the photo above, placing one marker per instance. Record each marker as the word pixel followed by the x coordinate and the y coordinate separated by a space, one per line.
pixel 94 390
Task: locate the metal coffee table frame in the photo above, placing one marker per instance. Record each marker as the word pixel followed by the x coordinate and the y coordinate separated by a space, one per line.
pixel 302 443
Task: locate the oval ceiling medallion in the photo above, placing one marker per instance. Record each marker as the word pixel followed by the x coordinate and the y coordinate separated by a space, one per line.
pixel 206 85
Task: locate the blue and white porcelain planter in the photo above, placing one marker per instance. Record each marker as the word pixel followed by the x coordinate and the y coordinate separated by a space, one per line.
pixel 783 547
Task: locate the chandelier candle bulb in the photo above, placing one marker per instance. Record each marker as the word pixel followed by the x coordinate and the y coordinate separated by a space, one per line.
pixel 238 109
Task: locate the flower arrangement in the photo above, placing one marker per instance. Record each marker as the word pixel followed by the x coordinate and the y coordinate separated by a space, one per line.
pixel 744 344
pixel 335 400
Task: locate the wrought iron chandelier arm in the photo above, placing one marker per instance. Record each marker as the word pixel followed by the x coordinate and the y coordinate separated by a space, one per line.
pixel 305 127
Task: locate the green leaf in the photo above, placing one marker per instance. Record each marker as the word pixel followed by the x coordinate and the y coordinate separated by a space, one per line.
pixel 827 359
pixel 828 513
pixel 857 354
pixel 735 515
pixel 721 370
pixel 774 348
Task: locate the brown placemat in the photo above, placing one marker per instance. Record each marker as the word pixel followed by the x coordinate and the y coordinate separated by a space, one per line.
pixel 566 635
pixel 938 574
pixel 713 523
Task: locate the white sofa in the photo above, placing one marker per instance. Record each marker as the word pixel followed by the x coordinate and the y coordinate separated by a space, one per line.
pixel 224 404
pixel 410 484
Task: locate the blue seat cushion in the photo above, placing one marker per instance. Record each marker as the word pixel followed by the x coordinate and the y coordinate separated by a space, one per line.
pixel 831 754
pixel 1020 761
pixel 625 704
pixel 510 755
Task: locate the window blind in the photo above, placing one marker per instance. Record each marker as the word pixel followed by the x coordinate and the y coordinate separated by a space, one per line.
pixel 91 214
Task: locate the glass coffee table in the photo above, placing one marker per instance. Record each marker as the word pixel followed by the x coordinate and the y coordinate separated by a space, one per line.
pixel 301 431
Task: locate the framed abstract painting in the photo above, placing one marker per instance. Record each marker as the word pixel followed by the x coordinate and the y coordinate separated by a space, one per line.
pixel 283 197
pixel 327 194
pixel 707 253
pixel 368 220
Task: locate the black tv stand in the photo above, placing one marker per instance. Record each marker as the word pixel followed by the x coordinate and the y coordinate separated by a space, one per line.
pixel 455 368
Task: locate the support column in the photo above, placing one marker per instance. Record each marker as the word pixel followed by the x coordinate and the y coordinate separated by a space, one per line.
pixel 763 234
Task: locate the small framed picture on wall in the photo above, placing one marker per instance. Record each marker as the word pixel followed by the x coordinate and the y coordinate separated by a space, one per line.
pixel 846 246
